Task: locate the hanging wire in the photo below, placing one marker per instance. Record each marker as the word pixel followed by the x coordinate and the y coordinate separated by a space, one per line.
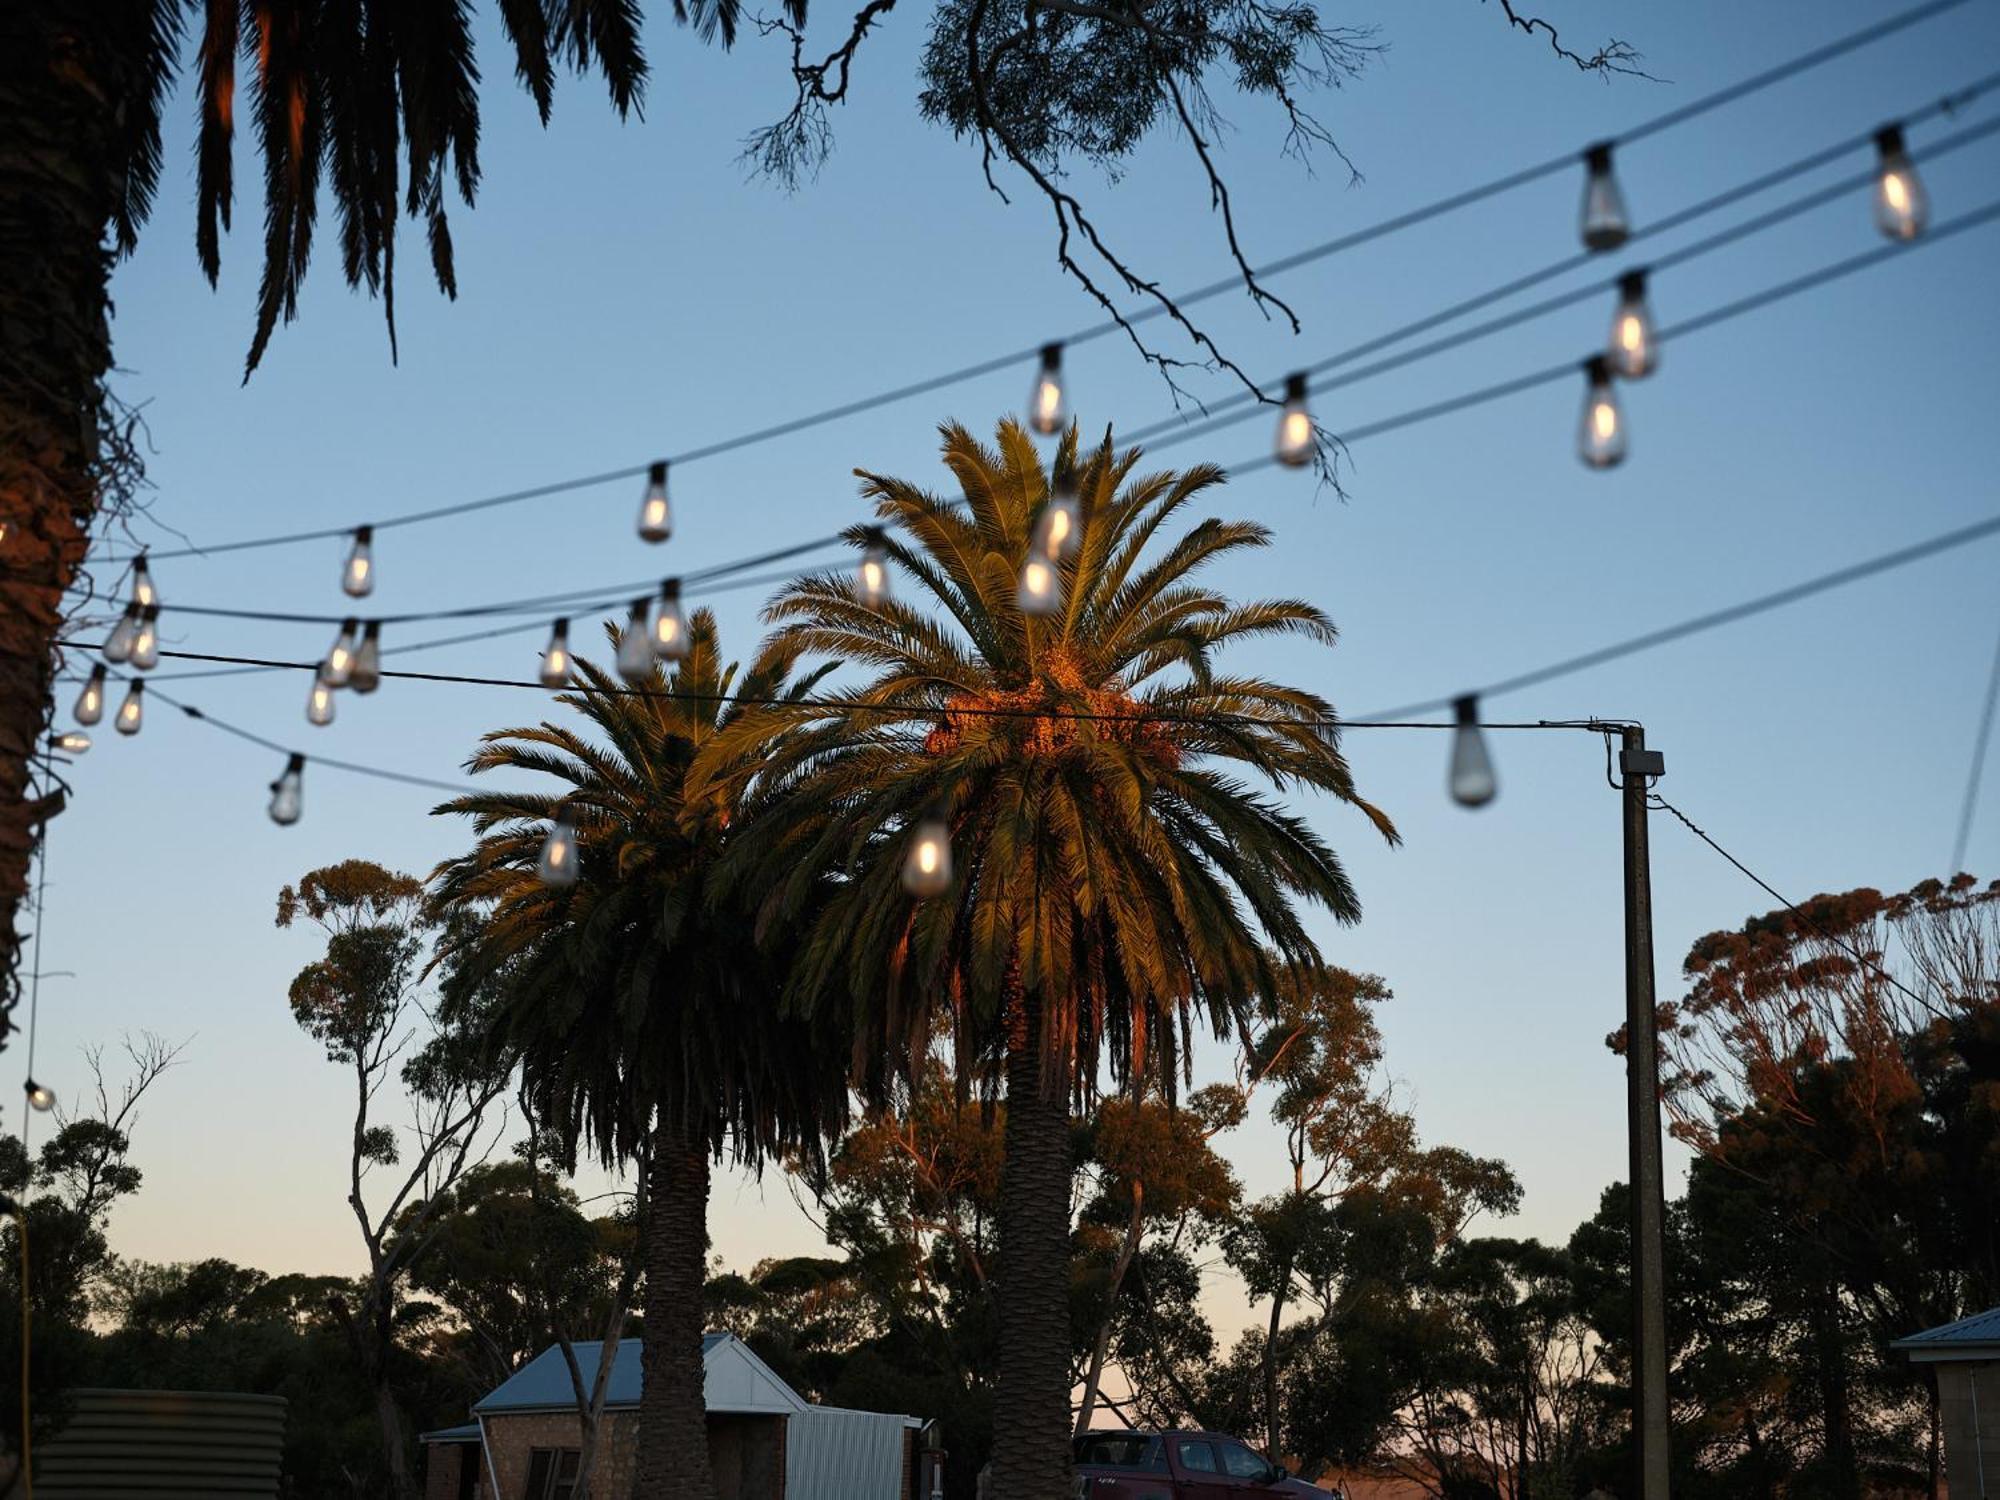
pixel 1976 771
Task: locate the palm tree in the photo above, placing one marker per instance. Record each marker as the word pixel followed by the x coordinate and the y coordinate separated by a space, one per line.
pixel 644 1018
pixel 1117 876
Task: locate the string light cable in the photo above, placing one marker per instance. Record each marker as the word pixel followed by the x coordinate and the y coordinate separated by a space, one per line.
pixel 1804 62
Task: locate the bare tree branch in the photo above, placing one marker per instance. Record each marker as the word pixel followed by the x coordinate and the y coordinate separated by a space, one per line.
pixel 1613 57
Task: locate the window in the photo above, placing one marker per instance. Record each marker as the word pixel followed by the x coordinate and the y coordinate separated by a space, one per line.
pixel 1238 1462
pixel 1122 1450
pixel 551 1473
pixel 1198 1457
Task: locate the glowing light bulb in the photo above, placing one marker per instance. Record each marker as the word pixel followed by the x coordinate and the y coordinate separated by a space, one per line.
pixel 1635 347
pixel 1902 207
pixel 1605 224
pixel 132 712
pixel 146 639
pixel 555 660
pixel 656 512
pixel 90 702
pixel 1472 780
pixel 119 646
pixel 367 673
pixel 873 579
pixel 635 644
pixel 1059 527
pixel 71 742
pixel 143 592
pixel 670 635
pixel 1046 405
pixel 927 864
pixel 287 792
pixel 40 1097
pixel 1297 443
pixel 1601 438
pixel 1040 592
pixel 358 577
pixel 338 667
pixel 557 864
pixel 319 704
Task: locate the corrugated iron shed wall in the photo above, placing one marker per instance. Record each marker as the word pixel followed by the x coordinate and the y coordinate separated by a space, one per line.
pixel 139 1445
pixel 832 1454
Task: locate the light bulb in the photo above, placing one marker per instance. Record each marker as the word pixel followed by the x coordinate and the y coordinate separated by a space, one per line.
pixel 90 702
pixel 286 792
pixel 635 644
pixel 1472 780
pixel 927 864
pixel 40 1097
pixel 555 660
pixel 71 742
pixel 557 864
pixel 1902 207
pixel 146 639
pixel 1601 436
pixel 132 712
pixel 319 704
pixel 670 635
pixel 338 667
pixel 1635 347
pixel 873 580
pixel 656 512
pixel 1046 407
pixel 1059 527
pixel 119 646
pixel 143 592
pixel 367 674
pixel 1297 443
pixel 1605 225
pixel 358 577
pixel 1040 592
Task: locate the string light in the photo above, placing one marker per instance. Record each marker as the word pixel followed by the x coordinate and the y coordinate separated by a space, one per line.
pixel 338 667
pixel 71 741
pixel 1605 224
pixel 319 704
pixel 132 712
pixel 1296 444
pixel 367 674
pixel 656 514
pixel 555 660
pixel 1601 437
pixel 357 579
pixel 873 580
pixel 1902 208
pixel 669 624
pixel 1635 347
pixel 143 592
pixel 146 639
pixel 1059 527
pixel 90 702
pixel 287 792
pixel 40 1097
pixel 927 864
pixel 1040 592
pixel 1046 403
pixel 557 864
pixel 635 644
pixel 1472 781
pixel 119 647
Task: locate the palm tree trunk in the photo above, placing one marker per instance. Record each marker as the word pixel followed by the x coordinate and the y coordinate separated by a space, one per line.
pixel 1031 1451
pixel 673 1414
pixel 64 70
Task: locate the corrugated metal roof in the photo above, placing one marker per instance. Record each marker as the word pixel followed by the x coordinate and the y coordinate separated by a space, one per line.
pixel 1953 1340
pixel 469 1433
pixel 737 1380
pixel 166 1443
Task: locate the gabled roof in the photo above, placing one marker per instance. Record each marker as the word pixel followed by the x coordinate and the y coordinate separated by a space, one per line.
pixel 1976 1337
pixel 734 1380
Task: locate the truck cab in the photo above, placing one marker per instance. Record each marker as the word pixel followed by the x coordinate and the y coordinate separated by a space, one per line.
pixel 1180 1466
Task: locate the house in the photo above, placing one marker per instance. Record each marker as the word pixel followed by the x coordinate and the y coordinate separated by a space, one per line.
pixel 765 1441
pixel 1963 1357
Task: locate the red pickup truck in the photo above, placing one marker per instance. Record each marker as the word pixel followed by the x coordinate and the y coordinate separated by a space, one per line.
pixel 1181 1466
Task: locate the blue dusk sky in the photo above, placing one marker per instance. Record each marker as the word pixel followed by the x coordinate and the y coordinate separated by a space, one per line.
pixel 625 291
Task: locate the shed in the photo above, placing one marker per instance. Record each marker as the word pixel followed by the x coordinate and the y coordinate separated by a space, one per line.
pixel 161 1443
pixel 1962 1356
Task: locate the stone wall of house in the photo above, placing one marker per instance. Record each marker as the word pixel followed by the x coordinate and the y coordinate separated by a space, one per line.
pixel 748 1456
pixel 512 1440
pixel 1969 1406
pixel 443 1468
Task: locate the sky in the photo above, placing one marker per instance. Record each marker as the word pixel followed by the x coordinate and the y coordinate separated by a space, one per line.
pixel 626 291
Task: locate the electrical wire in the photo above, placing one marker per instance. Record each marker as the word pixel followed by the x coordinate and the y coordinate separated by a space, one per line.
pixel 1694 108
pixel 1977 770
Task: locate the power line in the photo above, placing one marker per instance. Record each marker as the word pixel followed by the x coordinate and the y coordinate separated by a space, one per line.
pixel 1977 770
pixel 1781 72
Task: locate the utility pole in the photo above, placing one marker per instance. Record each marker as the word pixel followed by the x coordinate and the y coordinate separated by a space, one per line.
pixel 1642 1093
